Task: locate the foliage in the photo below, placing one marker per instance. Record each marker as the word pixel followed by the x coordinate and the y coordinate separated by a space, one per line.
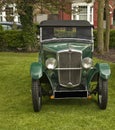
pixel 95 38
pixel 52 5
pixel 111 40
pixel 11 39
pixel 16 112
pixel 3 45
pixel 25 10
pixel 26 17
pixel 1 28
pixel 14 39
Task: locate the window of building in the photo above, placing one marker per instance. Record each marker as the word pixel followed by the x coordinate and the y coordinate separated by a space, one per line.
pixel 114 17
pixel 1 17
pixel 9 13
pixel 74 17
pixel 9 10
pixel 91 14
pixel 19 20
pixel 82 12
pixel 104 15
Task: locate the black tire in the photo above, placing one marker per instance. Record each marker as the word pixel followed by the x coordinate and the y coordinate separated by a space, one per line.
pixel 36 95
pixel 102 93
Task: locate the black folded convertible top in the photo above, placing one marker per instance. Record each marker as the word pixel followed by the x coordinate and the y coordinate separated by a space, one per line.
pixel 65 23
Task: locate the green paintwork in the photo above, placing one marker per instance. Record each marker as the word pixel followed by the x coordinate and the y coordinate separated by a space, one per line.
pixel 36 70
pixel 52 77
pixel 54 47
pixel 51 50
pixel 103 69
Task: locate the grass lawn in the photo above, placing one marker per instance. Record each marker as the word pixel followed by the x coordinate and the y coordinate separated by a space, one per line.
pixel 16 112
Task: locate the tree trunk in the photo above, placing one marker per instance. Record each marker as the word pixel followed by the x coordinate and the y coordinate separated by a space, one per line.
pixel 107 32
pixel 100 30
pixel 29 33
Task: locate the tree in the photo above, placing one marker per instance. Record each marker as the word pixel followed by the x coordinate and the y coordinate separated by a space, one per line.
pixel 100 30
pixel 25 10
pixel 107 32
pixel 103 44
pixel 54 5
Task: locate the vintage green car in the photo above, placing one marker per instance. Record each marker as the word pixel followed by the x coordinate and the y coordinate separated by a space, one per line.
pixel 65 62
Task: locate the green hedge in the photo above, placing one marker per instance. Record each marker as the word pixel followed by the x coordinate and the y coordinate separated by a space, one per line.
pixel 11 40
pixel 95 38
pixel 1 28
pixel 112 38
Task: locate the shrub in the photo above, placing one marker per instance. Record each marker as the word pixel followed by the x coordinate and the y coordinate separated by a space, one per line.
pixel 14 39
pixel 3 45
pixel 112 38
pixel 1 28
pixel 95 38
pixel 11 39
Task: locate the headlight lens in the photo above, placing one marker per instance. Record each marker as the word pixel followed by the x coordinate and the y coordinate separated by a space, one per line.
pixel 87 63
pixel 51 63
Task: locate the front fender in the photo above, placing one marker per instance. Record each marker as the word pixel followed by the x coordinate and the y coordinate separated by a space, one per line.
pixel 104 70
pixel 36 70
pixel 101 69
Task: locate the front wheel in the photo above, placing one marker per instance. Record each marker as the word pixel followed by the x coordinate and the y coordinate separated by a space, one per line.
pixel 36 95
pixel 102 93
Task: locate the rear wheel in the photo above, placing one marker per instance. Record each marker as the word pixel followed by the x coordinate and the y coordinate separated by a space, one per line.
pixel 102 93
pixel 36 95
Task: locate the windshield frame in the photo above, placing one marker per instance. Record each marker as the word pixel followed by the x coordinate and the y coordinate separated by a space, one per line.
pixel 63 39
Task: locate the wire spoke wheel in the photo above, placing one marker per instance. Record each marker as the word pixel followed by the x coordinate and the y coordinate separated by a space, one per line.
pixel 36 95
pixel 102 93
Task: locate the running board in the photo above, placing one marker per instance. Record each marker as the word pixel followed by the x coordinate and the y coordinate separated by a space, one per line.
pixel 69 94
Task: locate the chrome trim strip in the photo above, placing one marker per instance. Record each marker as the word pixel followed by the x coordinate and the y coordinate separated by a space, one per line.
pixel 68 68
pixel 76 39
pixel 67 50
pixel 41 35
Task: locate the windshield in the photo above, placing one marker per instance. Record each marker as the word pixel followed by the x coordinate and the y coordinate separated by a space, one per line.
pixel 66 32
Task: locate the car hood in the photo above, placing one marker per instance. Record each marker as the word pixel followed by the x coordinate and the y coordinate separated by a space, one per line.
pixel 65 46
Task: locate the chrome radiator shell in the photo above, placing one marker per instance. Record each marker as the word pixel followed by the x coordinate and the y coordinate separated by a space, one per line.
pixel 69 68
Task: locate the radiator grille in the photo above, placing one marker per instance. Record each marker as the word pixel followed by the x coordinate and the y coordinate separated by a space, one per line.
pixel 69 63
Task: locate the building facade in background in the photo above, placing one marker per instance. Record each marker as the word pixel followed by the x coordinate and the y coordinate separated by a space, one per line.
pixel 78 10
pixel 82 10
pixel 112 14
pixel 9 13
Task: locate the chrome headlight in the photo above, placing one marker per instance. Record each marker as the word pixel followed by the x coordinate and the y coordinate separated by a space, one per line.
pixel 51 63
pixel 87 63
